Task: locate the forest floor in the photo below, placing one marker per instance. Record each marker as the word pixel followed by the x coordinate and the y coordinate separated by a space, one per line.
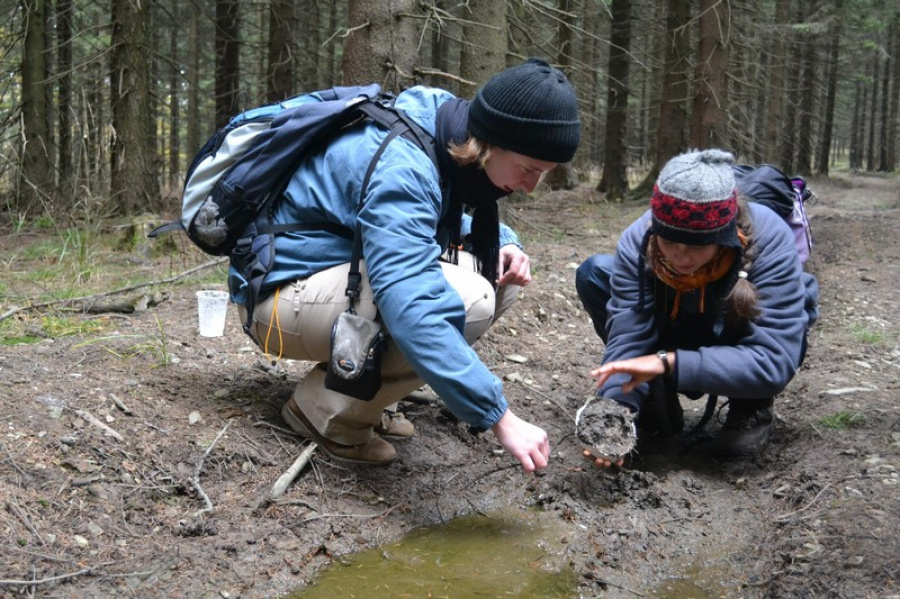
pixel 120 435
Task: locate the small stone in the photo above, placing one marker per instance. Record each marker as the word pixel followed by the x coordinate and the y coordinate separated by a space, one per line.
pixel 517 358
pixel 194 417
pixel 80 541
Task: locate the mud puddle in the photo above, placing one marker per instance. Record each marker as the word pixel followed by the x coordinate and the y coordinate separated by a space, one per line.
pixel 500 554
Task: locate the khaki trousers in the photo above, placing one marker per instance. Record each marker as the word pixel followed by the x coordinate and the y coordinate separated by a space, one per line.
pixel 296 321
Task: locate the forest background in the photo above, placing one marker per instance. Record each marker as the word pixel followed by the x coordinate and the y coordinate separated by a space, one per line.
pixel 104 104
pixel 137 458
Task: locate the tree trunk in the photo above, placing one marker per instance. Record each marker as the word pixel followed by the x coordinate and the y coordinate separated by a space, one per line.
pixel 873 116
pixel 484 44
pixel 280 75
pixel 66 106
pixel 884 113
pixel 824 153
pixel 893 124
pixel 586 88
pixel 174 103
pixel 227 60
pixel 709 119
pixel 788 148
pixel 614 181
pixel 332 46
pixel 382 44
pixel 194 127
pixel 671 138
pixel 134 184
pixel 778 70
pixel 856 130
pixel 36 172
pixel 807 95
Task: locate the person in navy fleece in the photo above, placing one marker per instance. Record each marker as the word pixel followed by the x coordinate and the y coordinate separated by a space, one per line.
pixel 705 295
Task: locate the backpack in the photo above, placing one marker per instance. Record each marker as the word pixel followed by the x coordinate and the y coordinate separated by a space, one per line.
pixel 234 180
pixel 769 186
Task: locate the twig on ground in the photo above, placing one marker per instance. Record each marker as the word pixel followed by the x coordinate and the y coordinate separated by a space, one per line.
pixel 306 504
pixel 553 401
pixel 120 404
pixel 495 471
pixel 29 583
pixel 195 481
pixel 15 508
pixel 602 582
pixel 99 424
pixel 12 460
pixel 88 298
pixel 478 510
pixel 291 473
pixel 784 517
pixel 378 515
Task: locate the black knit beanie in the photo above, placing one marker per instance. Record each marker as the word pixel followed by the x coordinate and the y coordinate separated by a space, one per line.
pixel 529 109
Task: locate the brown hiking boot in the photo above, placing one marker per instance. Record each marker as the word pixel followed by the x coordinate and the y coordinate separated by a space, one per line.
pixel 375 452
pixel 394 425
pixel 748 427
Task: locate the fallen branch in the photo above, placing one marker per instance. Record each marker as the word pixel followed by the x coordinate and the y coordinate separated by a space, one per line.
pixel 291 473
pixel 120 404
pixel 604 582
pixel 379 515
pixel 89 298
pixel 29 583
pixel 195 480
pixel 784 517
pixel 99 424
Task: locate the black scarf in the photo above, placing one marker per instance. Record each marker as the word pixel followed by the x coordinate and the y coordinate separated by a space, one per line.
pixel 470 187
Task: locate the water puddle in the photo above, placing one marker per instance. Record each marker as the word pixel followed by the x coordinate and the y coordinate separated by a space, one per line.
pixel 699 578
pixel 502 554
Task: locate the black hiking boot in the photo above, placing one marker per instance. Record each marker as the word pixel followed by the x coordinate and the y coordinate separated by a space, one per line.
pixel 748 427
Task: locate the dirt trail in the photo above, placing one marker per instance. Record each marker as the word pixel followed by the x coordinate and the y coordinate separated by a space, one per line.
pixel 86 514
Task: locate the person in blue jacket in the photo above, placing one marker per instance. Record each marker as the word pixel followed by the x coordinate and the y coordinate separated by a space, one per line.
pixel 705 295
pixel 437 276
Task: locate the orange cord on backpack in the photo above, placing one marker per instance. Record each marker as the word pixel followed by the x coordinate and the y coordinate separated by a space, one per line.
pixel 274 317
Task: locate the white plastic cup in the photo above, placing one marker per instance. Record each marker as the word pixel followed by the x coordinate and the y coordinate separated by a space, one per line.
pixel 212 306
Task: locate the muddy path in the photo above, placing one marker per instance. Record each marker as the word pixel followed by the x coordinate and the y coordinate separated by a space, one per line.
pixel 137 457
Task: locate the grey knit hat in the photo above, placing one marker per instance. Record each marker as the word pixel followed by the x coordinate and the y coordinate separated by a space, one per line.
pixel 530 109
pixel 695 199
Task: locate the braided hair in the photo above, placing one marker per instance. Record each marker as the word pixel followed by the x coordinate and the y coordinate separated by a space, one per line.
pixel 742 302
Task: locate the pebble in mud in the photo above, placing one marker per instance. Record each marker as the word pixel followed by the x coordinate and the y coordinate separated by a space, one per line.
pixel 606 428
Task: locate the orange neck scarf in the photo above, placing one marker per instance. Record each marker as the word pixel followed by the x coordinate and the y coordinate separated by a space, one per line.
pixel 713 270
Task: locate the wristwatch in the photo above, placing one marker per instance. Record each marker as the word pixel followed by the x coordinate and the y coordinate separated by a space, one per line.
pixel 664 356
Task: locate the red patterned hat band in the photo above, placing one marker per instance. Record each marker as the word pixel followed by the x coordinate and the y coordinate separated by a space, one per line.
pixel 695 223
pixel 695 199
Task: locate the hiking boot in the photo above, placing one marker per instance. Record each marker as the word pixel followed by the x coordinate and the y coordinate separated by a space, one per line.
pixel 661 412
pixel 748 426
pixel 375 452
pixel 394 425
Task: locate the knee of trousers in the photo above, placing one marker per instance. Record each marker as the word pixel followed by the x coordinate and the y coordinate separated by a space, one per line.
pixel 481 306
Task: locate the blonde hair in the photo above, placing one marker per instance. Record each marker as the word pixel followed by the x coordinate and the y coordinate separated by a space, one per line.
pixel 473 151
